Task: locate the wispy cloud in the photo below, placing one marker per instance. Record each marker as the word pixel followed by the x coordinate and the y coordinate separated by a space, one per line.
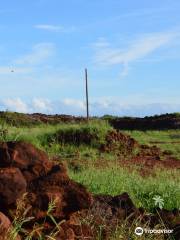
pixel 40 53
pixel 136 50
pixel 55 28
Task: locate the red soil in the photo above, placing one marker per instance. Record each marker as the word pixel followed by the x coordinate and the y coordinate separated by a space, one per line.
pixel 132 154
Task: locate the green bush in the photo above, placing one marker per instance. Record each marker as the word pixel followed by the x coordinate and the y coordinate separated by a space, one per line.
pixel 92 134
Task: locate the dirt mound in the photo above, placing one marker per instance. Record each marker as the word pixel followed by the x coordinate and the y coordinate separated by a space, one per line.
pixel 21 119
pixel 151 157
pixel 25 169
pixel 131 153
pixel 119 143
pixel 84 135
pixel 54 119
pixel 166 121
pixel 32 186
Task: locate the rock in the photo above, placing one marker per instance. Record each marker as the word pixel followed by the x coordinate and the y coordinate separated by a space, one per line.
pixel 113 205
pixel 123 201
pixel 30 160
pixel 5 226
pixel 57 186
pixel 67 196
pixel 77 197
pixel 12 185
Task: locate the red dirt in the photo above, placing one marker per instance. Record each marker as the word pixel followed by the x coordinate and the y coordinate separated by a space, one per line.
pixel 27 169
pixel 132 154
pixel 119 143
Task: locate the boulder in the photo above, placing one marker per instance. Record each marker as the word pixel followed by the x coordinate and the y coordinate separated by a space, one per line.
pixel 31 161
pixel 12 185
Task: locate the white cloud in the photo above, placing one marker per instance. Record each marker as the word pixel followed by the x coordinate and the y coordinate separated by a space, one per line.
pixel 16 105
pixel 74 103
pixel 64 106
pixel 41 105
pixel 98 107
pixel 55 28
pixel 40 53
pixel 138 49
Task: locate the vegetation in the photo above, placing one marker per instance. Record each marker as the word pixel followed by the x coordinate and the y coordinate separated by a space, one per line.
pixel 67 142
pixel 141 190
pixel 168 140
pixel 78 144
pixel 122 231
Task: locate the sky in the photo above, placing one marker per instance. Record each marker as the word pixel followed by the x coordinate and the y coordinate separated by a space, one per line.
pixel 131 50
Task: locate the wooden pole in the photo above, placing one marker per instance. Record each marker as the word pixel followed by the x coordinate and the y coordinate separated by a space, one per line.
pixel 87 100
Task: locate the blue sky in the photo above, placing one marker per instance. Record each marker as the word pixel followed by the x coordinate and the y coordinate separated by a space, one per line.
pixel 131 49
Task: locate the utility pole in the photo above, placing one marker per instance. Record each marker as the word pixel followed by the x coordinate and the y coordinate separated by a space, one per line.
pixel 87 100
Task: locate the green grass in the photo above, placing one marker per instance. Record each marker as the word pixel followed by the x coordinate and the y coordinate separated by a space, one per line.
pixel 92 134
pixel 141 190
pixel 61 139
pixel 169 139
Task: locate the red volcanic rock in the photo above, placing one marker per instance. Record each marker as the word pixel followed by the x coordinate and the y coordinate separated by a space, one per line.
pixel 119 143
pixel 12 185
pixel 5 226
pixel 110 207
pixel 47 182
pixel 67 195
pixel 123 201
pixel 26 157
pixel 27 169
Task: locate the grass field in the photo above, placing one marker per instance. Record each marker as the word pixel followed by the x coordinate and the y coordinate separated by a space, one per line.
pixel 100 171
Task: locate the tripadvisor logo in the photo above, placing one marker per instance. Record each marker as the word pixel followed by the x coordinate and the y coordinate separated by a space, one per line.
pixel 139 231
